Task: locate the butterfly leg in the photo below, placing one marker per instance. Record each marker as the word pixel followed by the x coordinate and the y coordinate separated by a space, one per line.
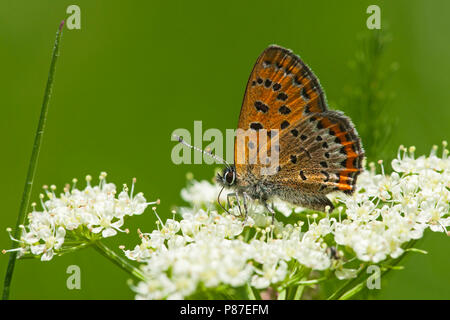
pixel 239 204
pixel 271 211
pixel 235 194
pixel 245 196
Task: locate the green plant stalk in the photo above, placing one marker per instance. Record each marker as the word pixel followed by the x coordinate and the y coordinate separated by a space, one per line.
pixel 353 286
pixel 392 263
pixel 348 284
pixel 251 293
pixel 395 262
pixel 25 202
pixel 118 260
pixel 298 292
pixel 282 294
pixel 350 293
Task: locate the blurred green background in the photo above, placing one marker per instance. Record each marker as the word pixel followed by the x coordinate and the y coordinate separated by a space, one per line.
pixel 137 70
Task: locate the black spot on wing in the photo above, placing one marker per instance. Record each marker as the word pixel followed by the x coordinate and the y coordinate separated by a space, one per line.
pixel 262 107
pixel 293 158
pixel 284 110
pixel 285 124
pixel 282 96
pixel 256 126
pixel 305 94
pixel 302 175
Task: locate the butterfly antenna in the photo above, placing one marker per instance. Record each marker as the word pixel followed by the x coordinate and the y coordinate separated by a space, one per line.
pixel 181 140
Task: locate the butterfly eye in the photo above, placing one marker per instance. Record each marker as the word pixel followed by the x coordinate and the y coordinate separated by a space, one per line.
pixel 229 177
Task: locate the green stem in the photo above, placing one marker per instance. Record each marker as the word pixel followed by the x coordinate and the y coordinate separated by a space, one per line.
pixel 251 293
pixel 24 204
pixel 395 262
pixel 118 260
pixel 348 284
pixel 75 248
pixel 299 292
pixel 353 286
pixel 350 293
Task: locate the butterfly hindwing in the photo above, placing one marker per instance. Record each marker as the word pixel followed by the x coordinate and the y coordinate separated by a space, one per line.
pixel 324 156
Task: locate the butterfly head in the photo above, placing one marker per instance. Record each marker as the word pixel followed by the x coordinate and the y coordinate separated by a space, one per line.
pixel 228 176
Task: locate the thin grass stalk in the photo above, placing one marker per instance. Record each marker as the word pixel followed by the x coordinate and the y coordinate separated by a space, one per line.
pixel 25 202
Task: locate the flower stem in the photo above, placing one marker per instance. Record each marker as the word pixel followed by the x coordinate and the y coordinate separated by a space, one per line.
pixel 24 204
pixel 348 284
pixel 299 290
pixel 118 260
pixel 353 286
pixel 251 293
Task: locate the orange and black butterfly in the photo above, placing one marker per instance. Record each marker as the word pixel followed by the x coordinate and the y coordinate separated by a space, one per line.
pixel 318 150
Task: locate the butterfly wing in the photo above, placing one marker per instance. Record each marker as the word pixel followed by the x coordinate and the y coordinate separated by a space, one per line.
pixel 280 84
pixel 319 149
pixel 325 155
pixel 280 88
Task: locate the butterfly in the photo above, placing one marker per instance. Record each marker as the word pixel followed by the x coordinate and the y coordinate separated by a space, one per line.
pixel 318 150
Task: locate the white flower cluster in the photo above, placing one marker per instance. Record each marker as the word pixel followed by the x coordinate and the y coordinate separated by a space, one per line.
pixel 389 210
pixel 77 217
pixel 205 194
pixel 208 249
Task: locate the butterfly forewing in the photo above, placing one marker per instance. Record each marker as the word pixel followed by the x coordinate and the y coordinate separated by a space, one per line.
pixel 281 88
pixel 279 85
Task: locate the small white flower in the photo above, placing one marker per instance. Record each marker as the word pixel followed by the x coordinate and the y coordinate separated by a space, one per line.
pixel 106 226
pixel 201 192
pixel 52 242
pixel 74 212
pixel 344 273
pixel 270 273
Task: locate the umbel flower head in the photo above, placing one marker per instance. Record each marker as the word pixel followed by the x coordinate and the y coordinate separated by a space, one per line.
pixel 209 249
pixel 76 217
